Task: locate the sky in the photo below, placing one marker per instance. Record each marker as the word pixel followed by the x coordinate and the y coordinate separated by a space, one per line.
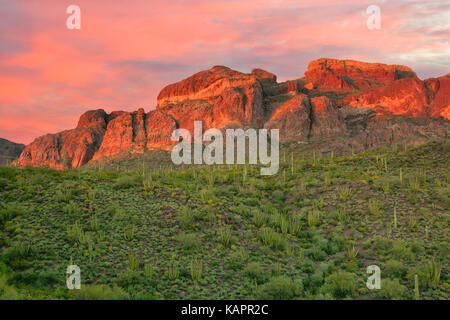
pixel 126 51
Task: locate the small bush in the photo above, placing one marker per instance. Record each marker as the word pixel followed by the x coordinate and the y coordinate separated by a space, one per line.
pixel 392 289
pixel 225 237
pixel 196 267
pixel 125 182
pixel 99 292
pixel 395 268
pixel 259 218
pixel 172 271
pixel 133 261
pixel 344 192
pixel 431 273
pixel 129 232
pixel 255 271
pixel 275 270
pixel 278 288
pixel 186 217
pixel 271 238
pixel 313 218
pixel 188 240
pixel 375 207
pixel 149 270
pixel 238 258
pixel 342 284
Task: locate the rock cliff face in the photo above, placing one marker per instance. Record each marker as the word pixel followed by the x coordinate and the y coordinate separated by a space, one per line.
pixel 9 151
pixel 354 104
pixel 350 74
pixel 220 96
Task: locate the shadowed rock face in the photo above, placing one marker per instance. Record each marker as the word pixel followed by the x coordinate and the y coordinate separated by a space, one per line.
pixel 9 151
pixel 353 104
pixel 292 118
pixel 327 120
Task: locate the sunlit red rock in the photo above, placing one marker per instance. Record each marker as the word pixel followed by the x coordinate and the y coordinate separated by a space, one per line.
pixel 408 97
pixel 337 101
pixel 440 105
pixel 232 96
pixel 70 148
pixel 350 74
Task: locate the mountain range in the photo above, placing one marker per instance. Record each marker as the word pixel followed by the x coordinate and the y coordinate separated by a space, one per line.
pixel 341 105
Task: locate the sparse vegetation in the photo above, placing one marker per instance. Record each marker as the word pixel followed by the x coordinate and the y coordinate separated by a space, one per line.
pixel 226 232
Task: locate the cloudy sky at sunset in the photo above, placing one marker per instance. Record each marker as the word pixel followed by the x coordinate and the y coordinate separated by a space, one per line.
pixel 127 51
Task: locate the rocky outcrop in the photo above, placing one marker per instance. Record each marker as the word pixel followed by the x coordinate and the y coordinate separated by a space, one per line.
pixel 230 95
pixel 407 97
pixel 388 89
pixel 350 74
pixel 67 149
pixel 340 104
pixel 440 104
pixel 327 120
pixel 9 151
pixel 292 118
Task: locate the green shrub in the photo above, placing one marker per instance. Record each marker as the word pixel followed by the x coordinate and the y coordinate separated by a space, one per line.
pixel 318 254
pixel 395 268
pixel 196 267
pixel 149 270
pixel 98 292
pixel 133 261
pixel 259 218
pixel 401 251
pixel 188 240
pixel 313 218
pixel 255 271
pixel 278 288
pixel 278 196
pixel 342 284
pixel 225 237
pixel 8 292
pixel 75 233
pixel 344 192
pixel 186 217
pixel 11 211
pixel 128 181
pixel 238 258
pixel 431 273
pixel 172 270
pixel 271 238
pixel 375 207
pixel 129 232
pixel 307 266
pixel 275 270
pixel 392 290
